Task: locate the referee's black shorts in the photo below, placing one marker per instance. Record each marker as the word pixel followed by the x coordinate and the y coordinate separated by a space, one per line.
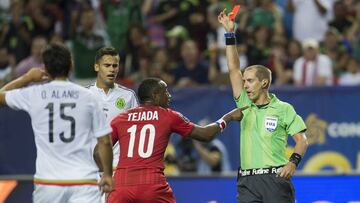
pixel 264 188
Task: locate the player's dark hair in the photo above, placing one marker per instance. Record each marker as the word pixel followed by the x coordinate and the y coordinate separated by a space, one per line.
pixel 147 88
pixel 57 60
pixel 105 51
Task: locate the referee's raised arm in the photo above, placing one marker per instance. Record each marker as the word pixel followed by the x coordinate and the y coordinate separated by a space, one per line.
pixel 232 55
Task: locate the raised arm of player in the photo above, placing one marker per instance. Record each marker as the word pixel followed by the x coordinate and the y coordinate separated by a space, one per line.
pixel 209 132
pixel 33 75
pixel 232 57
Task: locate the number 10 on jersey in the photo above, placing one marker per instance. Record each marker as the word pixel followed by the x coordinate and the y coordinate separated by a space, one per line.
pixel 147 130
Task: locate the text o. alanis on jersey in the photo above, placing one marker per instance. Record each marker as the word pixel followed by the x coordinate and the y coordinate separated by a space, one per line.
pixel 58 94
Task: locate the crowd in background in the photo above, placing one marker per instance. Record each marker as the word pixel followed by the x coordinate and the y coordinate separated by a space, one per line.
pixel 303 42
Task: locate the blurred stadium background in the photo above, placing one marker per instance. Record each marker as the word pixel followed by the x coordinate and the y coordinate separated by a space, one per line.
pixel 152 37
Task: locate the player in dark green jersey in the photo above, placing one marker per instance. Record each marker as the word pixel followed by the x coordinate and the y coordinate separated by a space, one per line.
pixel 265 172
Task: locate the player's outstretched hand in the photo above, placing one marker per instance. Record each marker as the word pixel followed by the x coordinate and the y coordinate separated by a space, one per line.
pixel 237 114
pixel 36 75
pixel 224 19
pixel 106 184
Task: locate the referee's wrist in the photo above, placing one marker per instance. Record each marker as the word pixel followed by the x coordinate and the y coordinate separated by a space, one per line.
pixel 230 38
pixel 295 158
pixel 229 34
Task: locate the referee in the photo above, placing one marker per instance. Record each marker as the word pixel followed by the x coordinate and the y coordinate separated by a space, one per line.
pixel 264 174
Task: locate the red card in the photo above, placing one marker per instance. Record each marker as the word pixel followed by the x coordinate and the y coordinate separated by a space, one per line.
pixel 234 12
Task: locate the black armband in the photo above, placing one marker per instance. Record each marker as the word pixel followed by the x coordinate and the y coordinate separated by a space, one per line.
pixel 229 34
pixel 295 158
pixel 230 40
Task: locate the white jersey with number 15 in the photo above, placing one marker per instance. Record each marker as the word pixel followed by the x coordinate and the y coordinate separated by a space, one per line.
pixel 65 118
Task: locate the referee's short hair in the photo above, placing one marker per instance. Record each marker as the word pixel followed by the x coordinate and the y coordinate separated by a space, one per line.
pixel 262 73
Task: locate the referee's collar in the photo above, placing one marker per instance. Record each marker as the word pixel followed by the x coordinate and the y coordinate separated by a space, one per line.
pixel 272 103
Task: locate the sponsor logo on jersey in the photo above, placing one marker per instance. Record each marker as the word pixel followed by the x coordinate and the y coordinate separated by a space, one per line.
pixel 270 123
pixel 120 103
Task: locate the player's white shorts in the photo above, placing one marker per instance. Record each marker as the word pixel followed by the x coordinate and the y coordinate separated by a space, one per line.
pixel 68 194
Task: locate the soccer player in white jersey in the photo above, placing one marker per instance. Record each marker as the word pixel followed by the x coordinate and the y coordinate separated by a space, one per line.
pixel 114 98
pixel 65 118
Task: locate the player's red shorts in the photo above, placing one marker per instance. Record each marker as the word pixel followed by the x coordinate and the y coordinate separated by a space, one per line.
pixel 140 186
pixel 160 193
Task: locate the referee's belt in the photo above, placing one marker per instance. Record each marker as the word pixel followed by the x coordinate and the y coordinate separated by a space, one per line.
pixel 259 171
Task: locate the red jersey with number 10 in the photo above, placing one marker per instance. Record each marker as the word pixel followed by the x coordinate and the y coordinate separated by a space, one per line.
pixel 143 134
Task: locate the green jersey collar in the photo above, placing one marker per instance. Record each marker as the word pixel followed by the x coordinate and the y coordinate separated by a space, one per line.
pixel 273 101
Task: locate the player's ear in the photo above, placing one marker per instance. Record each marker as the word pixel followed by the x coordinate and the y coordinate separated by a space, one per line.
pixel 156 98
pixel 264 83
pixel 96 67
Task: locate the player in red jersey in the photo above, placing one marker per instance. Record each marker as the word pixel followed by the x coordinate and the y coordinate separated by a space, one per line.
pixel 143 133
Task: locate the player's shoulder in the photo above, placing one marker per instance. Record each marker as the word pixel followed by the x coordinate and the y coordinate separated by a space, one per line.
pixel 173 113
pixel 36 87
pixel 27 91
pixel 86 92
pixel 90 86
pixel 155 108
pixel 79 87
pixel 124 90
pixel 285 106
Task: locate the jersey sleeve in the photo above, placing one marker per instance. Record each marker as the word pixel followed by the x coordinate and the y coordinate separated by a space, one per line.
pixel 19 99
pixel 99 123
pixel 243 100
pixel 134 102
pixel 180 124
pixel 294 123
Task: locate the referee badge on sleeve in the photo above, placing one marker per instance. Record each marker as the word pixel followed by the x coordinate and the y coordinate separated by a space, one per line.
pixel 270 123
